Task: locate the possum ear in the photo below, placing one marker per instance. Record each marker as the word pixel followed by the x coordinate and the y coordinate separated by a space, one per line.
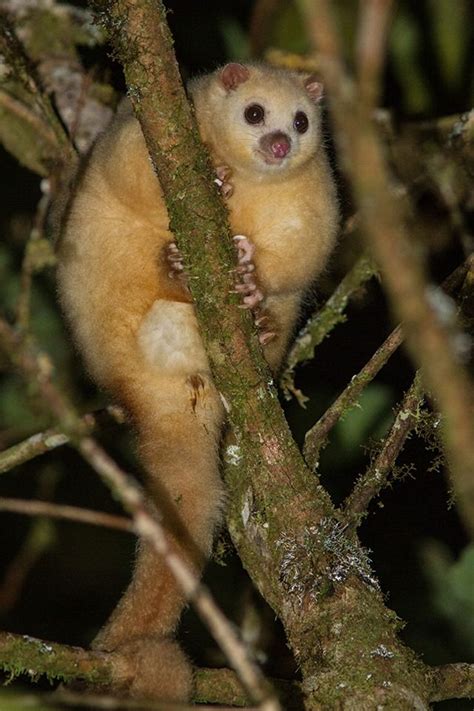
pixel 233 74
pixel 314 88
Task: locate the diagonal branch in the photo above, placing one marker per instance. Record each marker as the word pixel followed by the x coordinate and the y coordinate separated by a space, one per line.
pixel 321 324
pixel 316 436
pixel 375 478
pixel 430 341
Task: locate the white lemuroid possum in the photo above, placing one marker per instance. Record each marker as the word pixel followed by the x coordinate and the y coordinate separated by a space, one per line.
pixel 122 288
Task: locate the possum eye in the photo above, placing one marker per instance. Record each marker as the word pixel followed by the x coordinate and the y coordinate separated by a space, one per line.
pixel 254 113
pixel 301 122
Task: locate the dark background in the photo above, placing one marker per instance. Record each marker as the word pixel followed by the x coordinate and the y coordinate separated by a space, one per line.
pixel 418 547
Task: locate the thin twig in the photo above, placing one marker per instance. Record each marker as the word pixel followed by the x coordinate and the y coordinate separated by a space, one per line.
pixel 32 447
pixel 97 702
pixel 375 478
pixel 50 439
pixel 69 513
pixel 321 324
pixel 147 527
pixel 316 436
pixel 32 365
pixel 39 538
pixel 33 259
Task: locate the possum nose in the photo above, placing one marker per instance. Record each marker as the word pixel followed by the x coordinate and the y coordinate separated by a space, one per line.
pixel 280 146
pixel 275 145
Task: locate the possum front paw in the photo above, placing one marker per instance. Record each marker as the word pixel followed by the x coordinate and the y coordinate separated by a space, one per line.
pixel 174 260
pixel 246 284
pixel 223 173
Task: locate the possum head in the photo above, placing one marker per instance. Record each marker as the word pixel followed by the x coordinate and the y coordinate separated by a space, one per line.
pixel 259 120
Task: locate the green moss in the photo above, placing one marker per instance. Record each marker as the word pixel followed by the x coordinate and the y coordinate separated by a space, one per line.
pixel 32 657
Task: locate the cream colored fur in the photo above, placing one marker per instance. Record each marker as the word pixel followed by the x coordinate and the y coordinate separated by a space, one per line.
pixel 138 334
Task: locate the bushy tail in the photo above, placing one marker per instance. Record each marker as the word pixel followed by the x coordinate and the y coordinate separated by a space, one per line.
pixel 178 422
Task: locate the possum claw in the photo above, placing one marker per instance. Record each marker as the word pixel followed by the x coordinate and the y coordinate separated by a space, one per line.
pixel 223 173
pixel 265 326
pixel 245 270
pixel 252 300
pixel 174 260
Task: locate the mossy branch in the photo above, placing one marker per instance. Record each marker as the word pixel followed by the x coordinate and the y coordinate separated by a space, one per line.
pixel 30 128
pixel 315 438
pixel 429 339
pixel 370 484
pixel 320 325
pixel 22 655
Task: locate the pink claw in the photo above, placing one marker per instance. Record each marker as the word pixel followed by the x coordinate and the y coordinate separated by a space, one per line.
pixel 266 337
pixel 223 173
pixel 247 286
pixel 250 301
pixel 245 249
pixel 174 260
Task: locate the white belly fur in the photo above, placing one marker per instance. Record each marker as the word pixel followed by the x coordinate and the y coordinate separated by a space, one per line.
pixel 169 338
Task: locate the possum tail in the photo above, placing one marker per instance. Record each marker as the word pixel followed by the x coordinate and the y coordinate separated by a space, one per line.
pixel 178 416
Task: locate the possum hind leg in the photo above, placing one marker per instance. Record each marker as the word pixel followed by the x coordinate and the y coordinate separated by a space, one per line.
pixel 178 416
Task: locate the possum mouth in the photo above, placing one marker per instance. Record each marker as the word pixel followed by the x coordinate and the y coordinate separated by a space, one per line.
pixel 270 159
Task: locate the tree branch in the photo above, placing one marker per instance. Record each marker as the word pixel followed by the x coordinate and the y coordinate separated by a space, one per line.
pixel 69 513
pixel 32 447
pixel 452 681
pixel 375 478
pixel 21 654
pixel 321 324
pixel 429 340
pixel 316 436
